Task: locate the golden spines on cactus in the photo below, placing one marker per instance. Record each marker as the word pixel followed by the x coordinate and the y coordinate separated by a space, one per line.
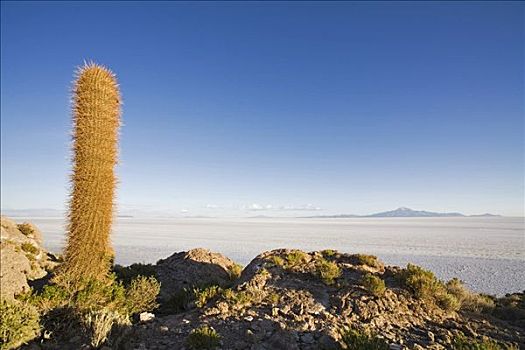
pixel 96 119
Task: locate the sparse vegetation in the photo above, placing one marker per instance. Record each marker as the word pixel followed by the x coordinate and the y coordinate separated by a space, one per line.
pixel 242 298
pixel 127 273
pixel 26 229
pixel 511 308
pixel 100 323
pixel 98 305
pixel 368 260
pixel 141 294
pixel 328 271
pixel 463 343
pixel 358 340
pixel 328 253
pixel 468 300
pixel 425 286
pixel 178 302
pixel 295 258
pixel 277 260
pixel 203 337
pixel 19 323
pixel 29 248
pixel 373 284
pixel 203 295
pixel 235 271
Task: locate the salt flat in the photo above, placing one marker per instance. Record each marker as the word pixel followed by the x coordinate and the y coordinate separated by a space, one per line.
pixel 487 253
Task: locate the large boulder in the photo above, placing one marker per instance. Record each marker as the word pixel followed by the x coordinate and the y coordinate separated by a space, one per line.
pixel 194 268
pixel 22 257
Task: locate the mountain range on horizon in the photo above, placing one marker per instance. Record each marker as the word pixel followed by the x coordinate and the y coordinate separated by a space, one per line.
pixel 403 212
pixel 399 212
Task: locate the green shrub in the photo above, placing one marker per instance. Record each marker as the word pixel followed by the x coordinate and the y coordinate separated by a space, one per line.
pixel 277 260
pixel 368 260
pixel 203 337
pixel 141 294
pixel 328 271
pixel 296 258
pixel 468 300
pixel 328 253
pixel 178 302
pixel 100 323
pixel 511 308
pixel 421 282
pixel 463 343
pixel 127 273
pixel 26 229
pixel 448 301
pixel 51 297
pixel 425 286
pixel 29 248
pixel 19 323
pixel 203 295
pixel 373 284
pixel 357 340
pixel 235 271
pixel 242 298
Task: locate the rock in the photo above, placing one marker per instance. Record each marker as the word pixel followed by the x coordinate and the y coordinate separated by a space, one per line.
pixel 327 342
pixel 196 267
pixel 146 316
pixel 14 267
pixel 307 338
pixel 248 318
pixel 22 257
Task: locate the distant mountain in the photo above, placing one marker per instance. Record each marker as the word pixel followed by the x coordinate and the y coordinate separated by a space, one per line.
pixel 402 212
pixel 484 215
pixel 407 212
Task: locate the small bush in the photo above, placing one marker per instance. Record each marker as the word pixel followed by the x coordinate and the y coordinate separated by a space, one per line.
pixel 511 308
pixel 468 300
pixel 296 258
pixel 29 248
pixel 128 273
pixel 274 298
pixel 203 337
pixel 141 295
pixel 19 323
pixel 421 282
pixel 463 343
pixel 328 271
pixel 234 271
pixel 358 340
pixel 425 286
pixel 448 302
pixel 100 323
pixel 178 302
pixel 26 229
pixel 277 260
pixel 328 253
pixel 368 260
pixel 203 295
pixel 242 298
pixel 51 297
pixel 373 284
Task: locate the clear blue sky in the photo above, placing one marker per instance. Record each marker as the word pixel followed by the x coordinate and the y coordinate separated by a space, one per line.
pixel 342 107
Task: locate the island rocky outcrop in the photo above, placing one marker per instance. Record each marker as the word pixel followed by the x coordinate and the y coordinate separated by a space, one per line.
pixel 283 299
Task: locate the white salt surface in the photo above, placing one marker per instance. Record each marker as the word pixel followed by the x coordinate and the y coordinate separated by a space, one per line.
pixel 487 253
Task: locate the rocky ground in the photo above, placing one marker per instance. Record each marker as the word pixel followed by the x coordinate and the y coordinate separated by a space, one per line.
pixel 284 299
pixel 23 258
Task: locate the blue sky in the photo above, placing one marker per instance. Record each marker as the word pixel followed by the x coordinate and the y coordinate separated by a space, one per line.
pixel 275 108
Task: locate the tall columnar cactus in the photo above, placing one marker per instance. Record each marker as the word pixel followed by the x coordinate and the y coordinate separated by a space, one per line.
pixel 96 118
